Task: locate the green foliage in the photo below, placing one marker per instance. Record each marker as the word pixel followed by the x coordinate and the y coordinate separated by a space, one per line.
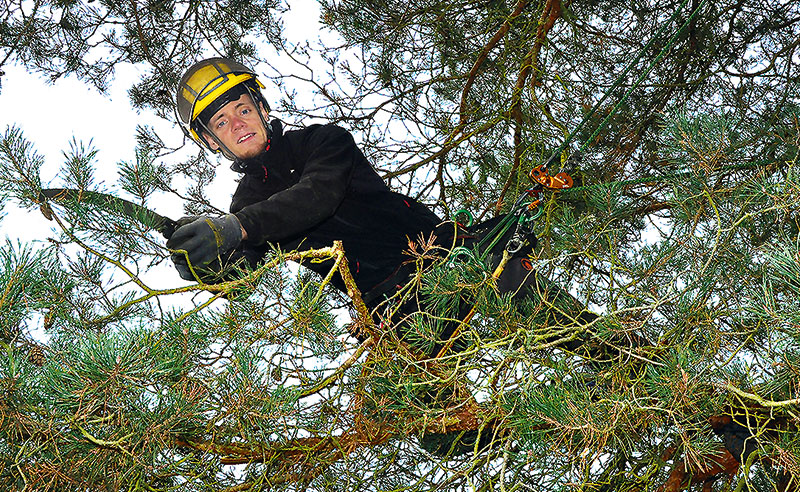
pixel 143 176
pixel 663 300
pixel 23 164
pixel 76 172
pixel 33 285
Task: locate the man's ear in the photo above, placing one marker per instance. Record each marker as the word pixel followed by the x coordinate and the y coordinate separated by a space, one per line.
pixel 211 142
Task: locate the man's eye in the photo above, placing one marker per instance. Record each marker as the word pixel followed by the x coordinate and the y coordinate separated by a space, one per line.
pixel 246 111
pixel 221 123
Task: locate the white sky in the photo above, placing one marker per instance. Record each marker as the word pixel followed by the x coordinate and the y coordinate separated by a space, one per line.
pixel 51 115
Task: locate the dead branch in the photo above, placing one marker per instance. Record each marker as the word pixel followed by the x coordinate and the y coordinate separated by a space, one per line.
pixel 550 13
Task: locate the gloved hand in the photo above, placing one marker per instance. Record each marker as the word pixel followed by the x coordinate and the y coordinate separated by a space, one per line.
pixel 206 240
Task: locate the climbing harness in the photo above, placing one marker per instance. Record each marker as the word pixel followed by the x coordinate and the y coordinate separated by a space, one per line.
pixel 522 215
pixel 526 209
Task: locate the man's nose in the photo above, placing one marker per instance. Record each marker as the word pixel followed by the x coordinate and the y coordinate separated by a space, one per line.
pixel 236 122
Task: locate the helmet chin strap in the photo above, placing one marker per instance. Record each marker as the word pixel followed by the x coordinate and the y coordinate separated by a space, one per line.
pixel 257 98
pixel 220 146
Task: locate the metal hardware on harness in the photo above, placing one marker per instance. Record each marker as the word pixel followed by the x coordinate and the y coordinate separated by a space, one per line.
pixel 515 243
pixel 535 195
pixel 517 240
pixel 560 181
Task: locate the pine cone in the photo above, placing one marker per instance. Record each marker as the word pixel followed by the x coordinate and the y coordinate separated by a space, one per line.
pixel 46 211
pixel 48 319
pixel 36 356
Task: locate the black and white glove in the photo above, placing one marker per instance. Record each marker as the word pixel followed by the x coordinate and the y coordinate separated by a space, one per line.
pixel 206 240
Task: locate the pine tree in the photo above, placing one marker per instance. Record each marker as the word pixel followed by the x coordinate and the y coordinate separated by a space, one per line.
pixel 660 350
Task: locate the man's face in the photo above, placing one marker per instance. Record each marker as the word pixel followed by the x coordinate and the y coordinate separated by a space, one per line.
pixel 239 127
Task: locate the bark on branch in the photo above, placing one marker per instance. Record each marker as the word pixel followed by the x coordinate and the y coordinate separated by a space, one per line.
pixel 550 13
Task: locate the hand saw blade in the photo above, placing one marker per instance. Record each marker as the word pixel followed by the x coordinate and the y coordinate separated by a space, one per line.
pixel 143 215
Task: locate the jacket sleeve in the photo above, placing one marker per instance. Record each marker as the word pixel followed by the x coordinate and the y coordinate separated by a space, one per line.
pixel 324 180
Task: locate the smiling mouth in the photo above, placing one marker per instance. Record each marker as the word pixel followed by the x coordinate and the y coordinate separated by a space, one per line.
pixel 245 137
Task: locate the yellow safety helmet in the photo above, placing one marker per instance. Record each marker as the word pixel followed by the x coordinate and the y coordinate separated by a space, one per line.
pixel 203 86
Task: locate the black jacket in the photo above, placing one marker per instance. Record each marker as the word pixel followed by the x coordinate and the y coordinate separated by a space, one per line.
pixel 313 186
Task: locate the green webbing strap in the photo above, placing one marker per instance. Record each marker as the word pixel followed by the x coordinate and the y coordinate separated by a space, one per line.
pixel 618 81
pixel 646 72
pixel 501 228
pixel 495 235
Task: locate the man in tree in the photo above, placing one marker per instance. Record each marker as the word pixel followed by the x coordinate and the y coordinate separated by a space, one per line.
pixel 304 189
pixel 300 188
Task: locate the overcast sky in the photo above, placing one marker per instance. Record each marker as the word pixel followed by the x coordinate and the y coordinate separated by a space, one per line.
pixel 51 115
